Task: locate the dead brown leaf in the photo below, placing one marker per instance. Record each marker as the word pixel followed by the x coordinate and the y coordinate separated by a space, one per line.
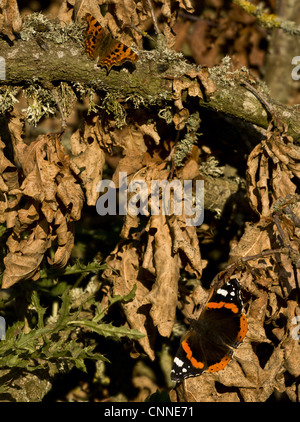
pixel 123 273
pixel 9 189
pixel 163 295
pixel 185 240
pixel 180 118
pixel 64 234
pixel 25 255
pixel 90 159
pixel 185 83
pixel 253 241
pixel 164 246
pixel 12 19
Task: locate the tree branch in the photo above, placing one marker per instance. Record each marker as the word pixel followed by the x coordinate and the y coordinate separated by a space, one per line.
pixel 150 83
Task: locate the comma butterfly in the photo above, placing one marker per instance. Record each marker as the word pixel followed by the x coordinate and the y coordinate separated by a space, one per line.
pixel 101 44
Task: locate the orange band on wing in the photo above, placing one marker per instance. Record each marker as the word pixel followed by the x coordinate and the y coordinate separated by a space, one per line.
pixel 243 328
pixel 217 305
pixel 220 365
pixel 189 355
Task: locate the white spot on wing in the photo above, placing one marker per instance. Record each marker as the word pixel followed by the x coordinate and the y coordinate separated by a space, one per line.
pixel 178 362
pixel 222 292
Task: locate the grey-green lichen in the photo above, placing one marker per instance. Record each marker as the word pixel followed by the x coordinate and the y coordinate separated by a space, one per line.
pixel 40 103
pixel 222 72
pixel 83 91
pixel 183 149
pixel 137 101
pixel 166 114
pixel 37 25
pixel 7 98
pixel 224 75
pixel 211 167
pixel 165 58
pixel 185 145
pixel 111 104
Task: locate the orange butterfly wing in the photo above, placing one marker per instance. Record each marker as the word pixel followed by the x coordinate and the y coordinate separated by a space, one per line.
pixel 93 36
pixel 101 45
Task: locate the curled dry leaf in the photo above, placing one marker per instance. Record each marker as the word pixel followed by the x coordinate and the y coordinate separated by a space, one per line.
pixel 123 272
pixel 90 159
pixel 169 11
pixel 64 234
pixel 180 118
pixel 193 82
pixel 163 295
pixel 64 13
pixel 25 255
pixel 9 190
pixel 166 239
pixel 272 170
pixel 82 7
pixel 49 178
pixel 154 306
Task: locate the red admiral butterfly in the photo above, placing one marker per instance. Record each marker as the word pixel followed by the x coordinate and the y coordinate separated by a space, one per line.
pixel 207 346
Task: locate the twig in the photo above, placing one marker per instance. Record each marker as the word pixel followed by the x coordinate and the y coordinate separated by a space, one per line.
pixel 157 30
pixel 263 254
pixel 268 20
pixel 269 107
pixel 188 16
pixel 139 31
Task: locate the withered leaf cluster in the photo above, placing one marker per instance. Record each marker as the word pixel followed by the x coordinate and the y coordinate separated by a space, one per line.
pixel 40 201
pixel 273 170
